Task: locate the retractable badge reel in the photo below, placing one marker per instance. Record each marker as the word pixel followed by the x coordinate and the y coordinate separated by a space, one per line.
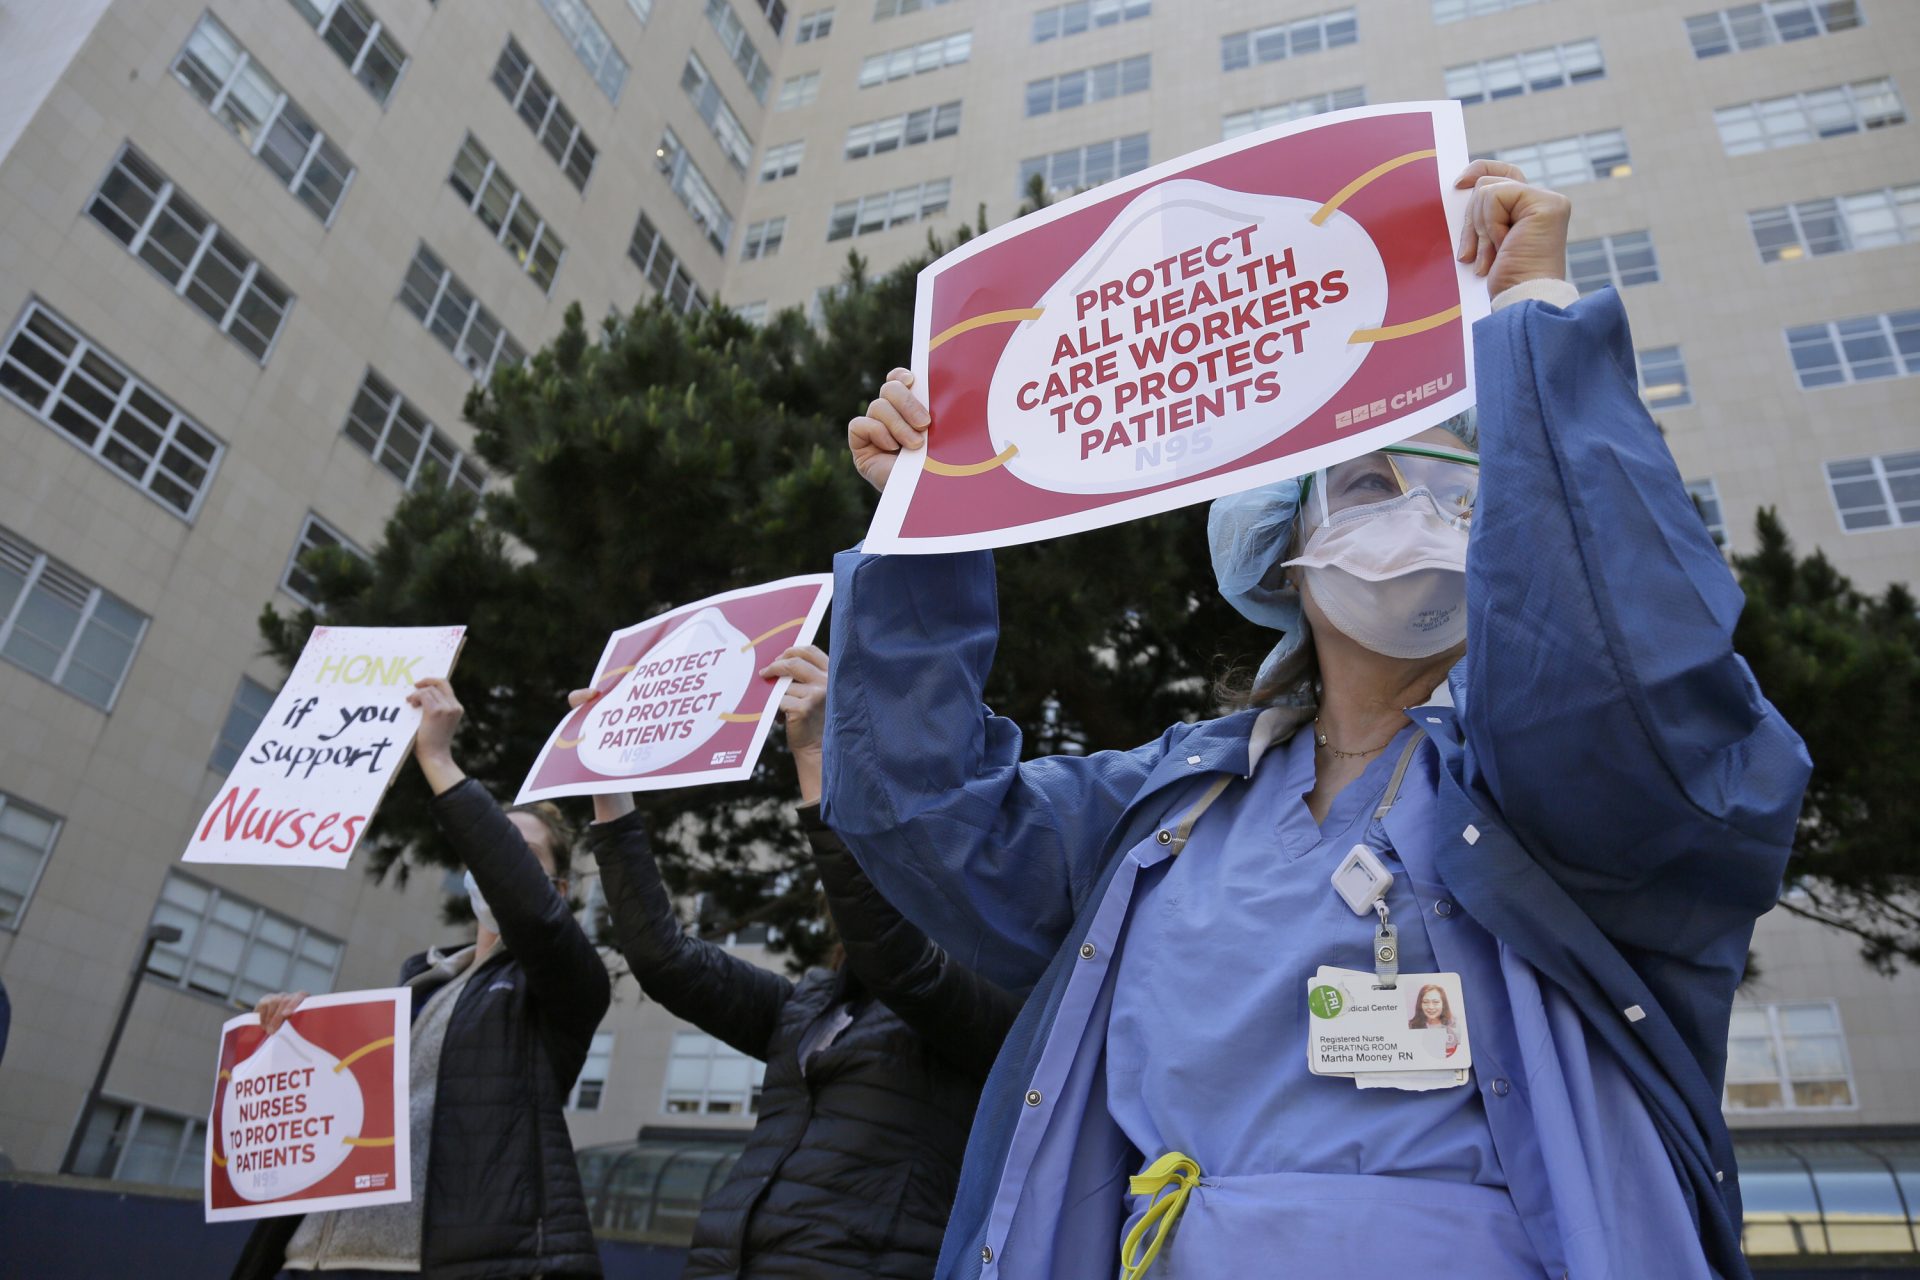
pixel 1362 881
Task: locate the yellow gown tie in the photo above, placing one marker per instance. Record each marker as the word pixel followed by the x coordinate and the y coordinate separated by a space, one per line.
pixel 1171 1171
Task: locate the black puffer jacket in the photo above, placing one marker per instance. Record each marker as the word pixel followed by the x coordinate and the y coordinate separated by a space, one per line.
pixel 852 1168
pixel 503 1193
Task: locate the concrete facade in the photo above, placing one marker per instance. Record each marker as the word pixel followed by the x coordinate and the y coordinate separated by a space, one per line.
pixel 126 784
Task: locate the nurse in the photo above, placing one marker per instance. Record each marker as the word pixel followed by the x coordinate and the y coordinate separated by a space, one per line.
pixel 1522 767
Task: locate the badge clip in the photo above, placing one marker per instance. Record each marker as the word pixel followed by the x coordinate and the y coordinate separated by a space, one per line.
pixel 1361 879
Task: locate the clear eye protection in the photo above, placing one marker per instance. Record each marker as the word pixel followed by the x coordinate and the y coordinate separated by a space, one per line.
pixel 1452 476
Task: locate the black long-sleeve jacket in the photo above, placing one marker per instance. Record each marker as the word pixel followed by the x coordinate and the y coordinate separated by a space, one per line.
pixel 852 1168
pixel 503 1194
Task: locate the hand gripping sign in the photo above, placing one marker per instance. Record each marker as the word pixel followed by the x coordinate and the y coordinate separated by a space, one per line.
pixel 305 788
pixel 1252 311
pixel 682 699
pixel 314 1116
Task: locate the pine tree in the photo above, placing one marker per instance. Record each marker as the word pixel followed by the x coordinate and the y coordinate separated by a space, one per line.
pixel 1844 669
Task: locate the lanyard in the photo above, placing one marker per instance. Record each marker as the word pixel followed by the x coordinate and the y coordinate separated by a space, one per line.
pixel 1362 881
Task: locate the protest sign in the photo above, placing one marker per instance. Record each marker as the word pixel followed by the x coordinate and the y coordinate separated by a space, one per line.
pixel 683 702
pixel 305 788
pixel 1252 311
pixel 315 1116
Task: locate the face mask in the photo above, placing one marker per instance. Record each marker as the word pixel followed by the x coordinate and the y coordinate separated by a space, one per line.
pixel 1392 575
pixel 481 911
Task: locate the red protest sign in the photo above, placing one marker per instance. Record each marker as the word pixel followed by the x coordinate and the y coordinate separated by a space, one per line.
pixel 1253 311
pixel 315 1116
pixel 682 699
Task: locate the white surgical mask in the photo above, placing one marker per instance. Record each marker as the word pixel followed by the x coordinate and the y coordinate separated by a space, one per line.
pixel 481 911
pixel 1392 575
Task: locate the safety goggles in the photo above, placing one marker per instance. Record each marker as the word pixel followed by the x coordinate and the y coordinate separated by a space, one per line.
pixel 1452 476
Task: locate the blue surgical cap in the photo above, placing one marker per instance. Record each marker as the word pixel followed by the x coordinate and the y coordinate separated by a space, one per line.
pixel 1248 535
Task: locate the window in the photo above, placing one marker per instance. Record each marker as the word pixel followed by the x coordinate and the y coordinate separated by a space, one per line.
pixel 1621 260
pixel 1849 1193
pixel 1092 84
pixel 695 192
pixel 754 313
pixel 592 1083
pixel 776 14
pixel 1088 166
pixel 233 950
pixel 402 442
pixel 1815 228
pixel 916 59
pixel 1060 20
pixel 142 209
pixel 454 316
pixel 315 533
pixel 535 102
pixel 57 374
pixel 663 268
pixel 708 1077
pixel 763 239
pixel 798 91
pixel 1803 117
pixel 129 1142
pixel 1754 26
pixel 1788 1057
pixel 886 209
pixel 362 43
pixel 1445 11
pixel 251 702
pixel 591 44
pixel 726 127
pixel 909 130
pixel 1706 500
pixel 1289 39
pixel 1857 350
pixel 63 628
pixel 251 104
pixel 1535 71
pixel 1663 378
pixel 782 161
pixel 900 8
pixel 817 25
pixel 1876 493
pixel 504 211
pixel 26 842
pixel 1240 122
pixel 733 36
pixel 1565 162
pixel 642 9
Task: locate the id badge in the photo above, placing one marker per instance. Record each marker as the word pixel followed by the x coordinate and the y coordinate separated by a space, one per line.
pixel 1356 1029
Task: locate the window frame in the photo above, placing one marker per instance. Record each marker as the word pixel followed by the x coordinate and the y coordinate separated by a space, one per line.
pixel 774 160
pixel 1890 504
pixel 1534 157
pixel 923 57
pixel 882 202
pixel 736 143
pixel 1897 200
pixel 423 454
pixel 1906 366
pixel 517 202
pixel 162 199
pixel 1767 13
pixel 189 951
pixel 611 1041
pixel 764 238
pixel 1759 111
pixel 1785 1078
pixel 189 1155
pixel 220 735
pixel 1679 362
pixel 1611 249
pixel 1705 491
pixel 300 548
pixel 71 363
pixel 582 29
pixel 531 77
pixel 39 562
pixel 1254 47
pixel 754 69
pixel 814 25
pixel 695 193
pixel 444 281
pixel 1086 82
pixel 317 147
pixel 676 273
pixel 322 23
pixel 1276 113
pixel 10 801
pixel 1446 12
pixel 716 1050
pixel 1525 80
pixel 1045 165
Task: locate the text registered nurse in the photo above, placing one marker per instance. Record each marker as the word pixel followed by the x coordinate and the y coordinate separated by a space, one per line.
pixel 1422 959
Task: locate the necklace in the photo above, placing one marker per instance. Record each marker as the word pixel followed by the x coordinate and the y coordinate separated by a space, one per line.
pixel 1320 740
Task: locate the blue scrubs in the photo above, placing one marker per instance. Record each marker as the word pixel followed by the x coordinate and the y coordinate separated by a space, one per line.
pixel 1213 972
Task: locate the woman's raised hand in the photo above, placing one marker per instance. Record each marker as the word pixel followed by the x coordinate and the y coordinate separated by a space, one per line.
pixel 1513 231
pixel 273 1009
pixel 895 420
pixel 440 714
